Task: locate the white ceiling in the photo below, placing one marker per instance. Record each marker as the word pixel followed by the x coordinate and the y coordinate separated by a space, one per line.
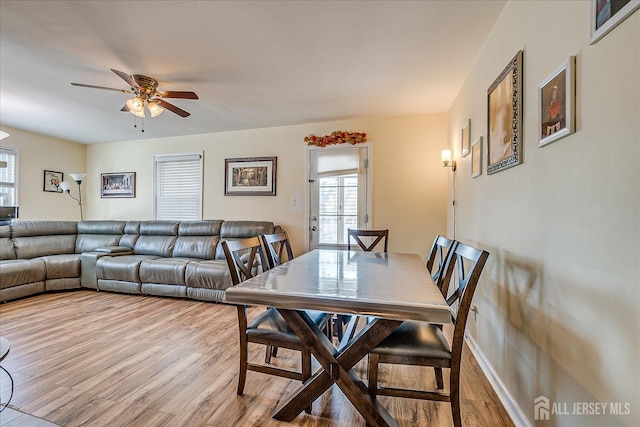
pixel 253 64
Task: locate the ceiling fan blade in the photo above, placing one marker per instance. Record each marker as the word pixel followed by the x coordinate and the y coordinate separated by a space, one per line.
pixel 125 108
pixel 183 95
pixel 171 107
pixel 127 78
pixel 100 87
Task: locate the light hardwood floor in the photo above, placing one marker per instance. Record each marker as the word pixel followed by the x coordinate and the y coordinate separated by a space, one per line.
pixel 88 358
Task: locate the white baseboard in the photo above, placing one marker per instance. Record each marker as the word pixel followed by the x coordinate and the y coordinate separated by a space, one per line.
pixel 513 409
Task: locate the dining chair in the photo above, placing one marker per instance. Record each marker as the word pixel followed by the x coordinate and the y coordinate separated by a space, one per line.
pixel 438 252
pixel 278 250
pixel 380 235
pixel 358 234
pixel 424 344
pixel 245 259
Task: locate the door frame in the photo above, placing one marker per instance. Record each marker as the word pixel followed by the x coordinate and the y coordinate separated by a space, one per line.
pixel 307 194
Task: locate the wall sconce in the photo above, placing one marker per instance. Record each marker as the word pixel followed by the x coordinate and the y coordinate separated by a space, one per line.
pixel 77 177
pixel 445 155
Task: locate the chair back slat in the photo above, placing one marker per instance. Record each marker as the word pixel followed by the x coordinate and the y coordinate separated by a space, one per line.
pixel 468 262
pixel 357 234
pixel 276 246
pixel 243 258
pixel 439 250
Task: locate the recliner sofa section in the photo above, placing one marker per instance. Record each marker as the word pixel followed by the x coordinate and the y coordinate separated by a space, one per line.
pixel 163 258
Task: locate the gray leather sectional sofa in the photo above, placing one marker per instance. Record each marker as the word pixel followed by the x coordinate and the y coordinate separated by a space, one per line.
pixel 164 258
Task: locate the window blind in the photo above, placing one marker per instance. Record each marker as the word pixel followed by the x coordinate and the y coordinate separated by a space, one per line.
pixel 178 187
pixel 8 177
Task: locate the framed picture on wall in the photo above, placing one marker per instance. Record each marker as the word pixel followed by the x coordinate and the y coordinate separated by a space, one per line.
pixel 117 185
pixel 504 118
pixel 476 158
pixel 52 181
pixel 465 138
pixel 250 176
pixel 556 104
pixel 607 14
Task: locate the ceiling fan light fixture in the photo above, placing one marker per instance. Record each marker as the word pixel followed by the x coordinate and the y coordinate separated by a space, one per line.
pixel 138 114
pixel 154 109
pixel 136 106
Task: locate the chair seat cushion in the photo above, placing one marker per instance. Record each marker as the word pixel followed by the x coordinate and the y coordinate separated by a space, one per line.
pixel 271 324
pixel 415 339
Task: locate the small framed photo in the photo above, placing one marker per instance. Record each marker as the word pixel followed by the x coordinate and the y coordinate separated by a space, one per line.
pixel 250 176
pixel 504 118
pixel 465 139
pixel 52 181
pixel 607 14
pixel 556 104
pixel 118 185
pixel 476 158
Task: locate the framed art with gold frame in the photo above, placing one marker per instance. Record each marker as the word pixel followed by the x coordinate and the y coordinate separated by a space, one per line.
pixel 504 118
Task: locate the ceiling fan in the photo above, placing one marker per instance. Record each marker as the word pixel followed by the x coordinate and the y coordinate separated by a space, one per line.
pixel 144 89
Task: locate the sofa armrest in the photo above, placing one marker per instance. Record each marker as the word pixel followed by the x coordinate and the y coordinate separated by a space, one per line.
pixel 115 250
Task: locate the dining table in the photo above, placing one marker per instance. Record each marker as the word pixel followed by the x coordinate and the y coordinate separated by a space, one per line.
pixel 387 288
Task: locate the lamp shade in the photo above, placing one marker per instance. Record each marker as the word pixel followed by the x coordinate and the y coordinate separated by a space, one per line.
pixel 65 187
pixel 3 135
pixel 77 177
pixel 154 109
pixel 445 155
pixel 135 105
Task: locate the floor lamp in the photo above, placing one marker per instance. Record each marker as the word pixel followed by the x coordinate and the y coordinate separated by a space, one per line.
pixel 77 177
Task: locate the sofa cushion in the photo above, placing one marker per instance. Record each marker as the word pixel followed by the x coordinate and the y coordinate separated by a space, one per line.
pixel 32 239
pixel 6 244
pixel 21 271
pixel 244 229
pixel 157 238
pixel 43 228
pixel 200 228
pixel 235 230
pixel 95 234
pixel 202 247
pixel 160 246
pixel 37 246
pixel 131 234
pixel 124 268
pixel 164 271
pixel 208 274
pixel 62 266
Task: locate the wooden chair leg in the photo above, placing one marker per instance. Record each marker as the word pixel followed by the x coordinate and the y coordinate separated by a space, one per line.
pixel 454 394
pixel 439 381
pixel 373 374
pixel 244 348
pixel 267 354
pixel 306 371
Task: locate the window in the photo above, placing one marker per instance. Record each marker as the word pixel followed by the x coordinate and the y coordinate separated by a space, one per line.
pixel 178 187
pixel 8 177
pixel 338 208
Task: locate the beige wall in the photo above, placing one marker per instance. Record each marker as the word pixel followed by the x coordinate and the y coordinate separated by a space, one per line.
pixel 37 153
pixel 409 186
pixel 558 300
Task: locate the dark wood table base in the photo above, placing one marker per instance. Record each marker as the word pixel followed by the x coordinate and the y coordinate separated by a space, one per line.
pixel 337 368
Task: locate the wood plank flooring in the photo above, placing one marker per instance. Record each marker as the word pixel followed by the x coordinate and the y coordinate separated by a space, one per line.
pixel 88 358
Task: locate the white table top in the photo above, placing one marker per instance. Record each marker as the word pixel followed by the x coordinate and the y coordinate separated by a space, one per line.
pixel 392 286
